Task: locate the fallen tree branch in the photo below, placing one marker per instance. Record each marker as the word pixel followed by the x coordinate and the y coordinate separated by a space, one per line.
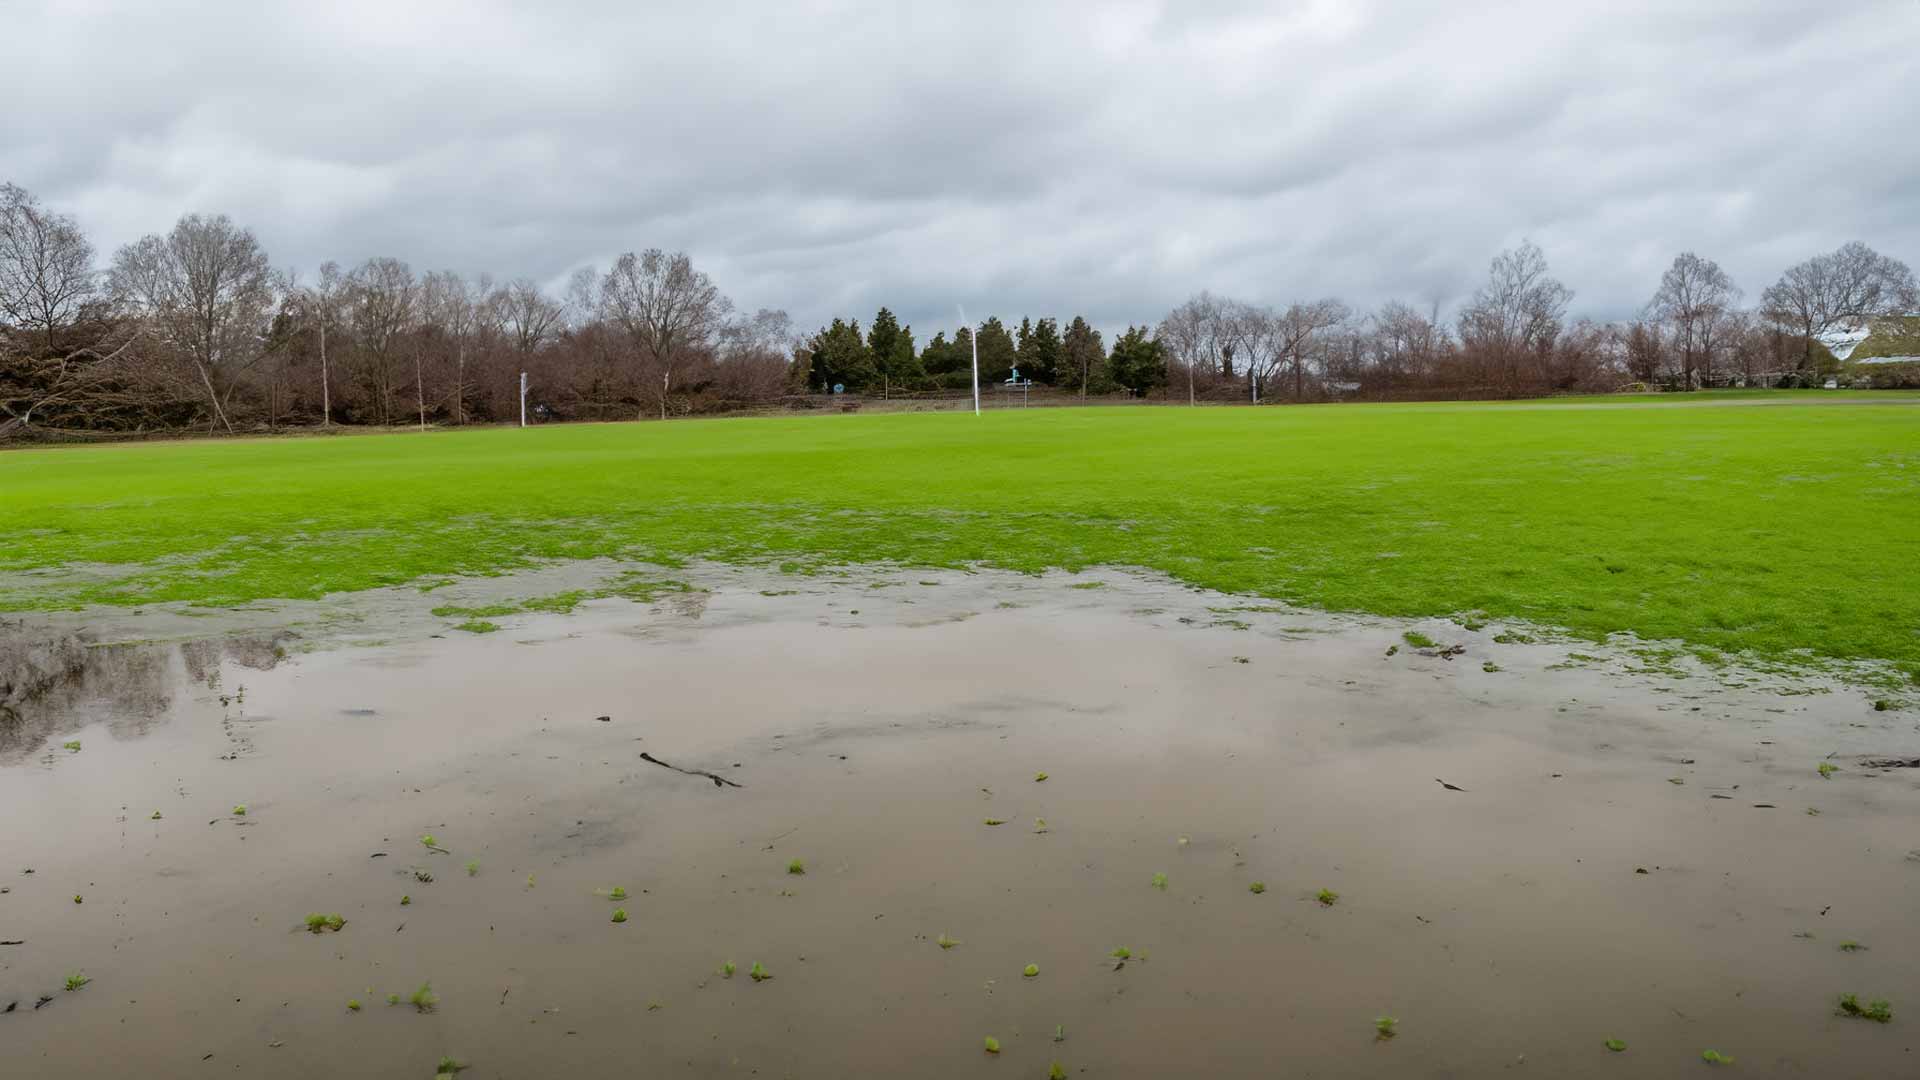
pixel 718 781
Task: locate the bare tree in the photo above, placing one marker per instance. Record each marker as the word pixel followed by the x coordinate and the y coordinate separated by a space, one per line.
pixel 1297 331
pixel 529 315
pixel 319 304
pixel 385 305
pixel 464 314
pixel 205 291
pixel 46 266
pixel 1693 298
pixel 1195 334
pixel 1847 286
pixel 667 308
pixel 1253 335
pixel 1515 317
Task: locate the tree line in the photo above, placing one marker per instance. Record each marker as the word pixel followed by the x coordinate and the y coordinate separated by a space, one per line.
pixel 196 328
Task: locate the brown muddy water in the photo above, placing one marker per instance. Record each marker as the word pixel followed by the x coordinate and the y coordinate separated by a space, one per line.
pixel 1633 856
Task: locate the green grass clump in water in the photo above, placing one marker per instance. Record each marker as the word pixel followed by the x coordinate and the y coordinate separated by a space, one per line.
pixel 1715 1057
pixel 1512 511
pixel 448 1069
pixel 1616 1045
pixel 796 867
pixel 758 973
pixel 1257 888
pixel 1878 1010
pixel 317 923
pixel 993 1045
pixel 71 747
pixel 473 867
pixel 477 626
pixel 1159 882
pixel 1852 946
pixel 1828 768
pixel 1030 970
pixel 619 914
pixel 727 969
pixel 75 981
pixel 424 999
pixel 1419 640
pixel 946 942
pixel 353 1004
pixel 1327 897
pixel 1385 1027
pixel 240 810
pixel 393 999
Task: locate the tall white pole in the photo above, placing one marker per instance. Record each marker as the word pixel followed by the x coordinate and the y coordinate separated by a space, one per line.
pixel 975 338
pixel 523 399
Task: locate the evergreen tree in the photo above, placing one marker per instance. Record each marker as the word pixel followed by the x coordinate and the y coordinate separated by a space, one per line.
pixel 939 356
pixel 838 355
pixel 1040 351
pixel 891 348
pixel 1138 362
pixel 1083 359
pixel 998 355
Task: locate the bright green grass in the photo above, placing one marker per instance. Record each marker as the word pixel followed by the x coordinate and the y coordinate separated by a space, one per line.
pixel 1772 529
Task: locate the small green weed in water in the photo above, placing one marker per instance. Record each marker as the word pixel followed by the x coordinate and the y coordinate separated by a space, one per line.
pixel 424 999
pixel 1715 1057
pixel 448 1069
pixel 529 881
pixel 1489 667
pixel 1160 882
pixel 72 747
pixel 1039 777
pixel 946 942
pixel 1122 953
pixel 156 816
pixel 617 893
pixel 1327 897
pixel 405 900
pixel 797 866
pixel 75 981
pixel 727 969
pixel 993 821
pixel 240 810
pixel 1257 888
pixel 430 842
pixel 1059 1033
pixel 1852 946
pixel 317 923
pixel 1418 640
pixel 393 999
pixel 1056 1072
pixel 473 868
pixel 1030 970
pixel 78 899
pixel 1039 825
pixel 1828 768
pixel 353 1004
pixel 619 914
pixel 1385 1027
pixel 993 1045
pixel 758 973
pixel 1879 1010
pixel 1615 1045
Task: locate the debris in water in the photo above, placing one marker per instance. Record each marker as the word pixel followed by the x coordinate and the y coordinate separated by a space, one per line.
pixel 1449 787
pixel 718 781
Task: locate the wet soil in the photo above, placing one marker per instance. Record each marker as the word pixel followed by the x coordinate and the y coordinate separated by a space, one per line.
pixel 1486 833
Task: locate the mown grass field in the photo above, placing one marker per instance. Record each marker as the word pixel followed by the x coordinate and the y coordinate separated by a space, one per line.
pixel 1784 530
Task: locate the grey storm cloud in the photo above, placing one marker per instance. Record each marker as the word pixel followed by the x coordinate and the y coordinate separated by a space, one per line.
pixel 1106 159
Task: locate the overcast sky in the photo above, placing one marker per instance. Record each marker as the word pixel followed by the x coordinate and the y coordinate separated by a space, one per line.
pixel 1018 158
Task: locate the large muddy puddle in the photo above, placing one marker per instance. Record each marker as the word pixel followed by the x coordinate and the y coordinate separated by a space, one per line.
pixel 1647 859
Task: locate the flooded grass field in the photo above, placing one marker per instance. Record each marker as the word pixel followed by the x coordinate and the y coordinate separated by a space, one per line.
pixel 938 825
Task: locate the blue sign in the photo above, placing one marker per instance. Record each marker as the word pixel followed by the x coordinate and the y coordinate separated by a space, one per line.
pixel 839 388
